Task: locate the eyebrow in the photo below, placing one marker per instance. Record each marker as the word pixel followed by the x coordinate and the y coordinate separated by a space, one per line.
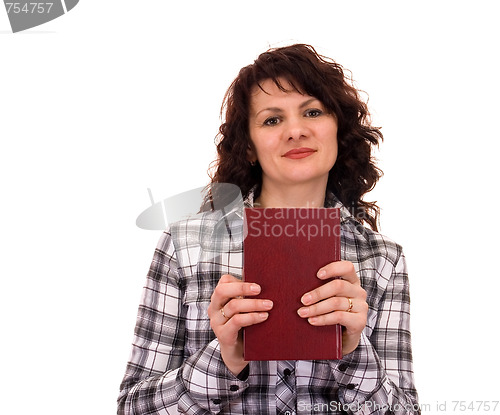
pixel 277 109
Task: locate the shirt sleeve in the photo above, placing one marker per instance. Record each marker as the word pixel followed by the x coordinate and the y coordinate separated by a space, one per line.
pixel 377 377
pixel 159 378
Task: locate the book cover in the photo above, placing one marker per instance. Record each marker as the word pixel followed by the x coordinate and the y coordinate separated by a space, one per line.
pixel 283 250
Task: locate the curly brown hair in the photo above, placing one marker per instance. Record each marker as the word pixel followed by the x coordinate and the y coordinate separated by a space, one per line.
pixel 354 172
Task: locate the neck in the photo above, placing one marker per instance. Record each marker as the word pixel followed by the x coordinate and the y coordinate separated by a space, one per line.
pixel 300 195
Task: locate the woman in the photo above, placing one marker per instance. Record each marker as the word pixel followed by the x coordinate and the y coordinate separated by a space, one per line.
pixel 295 134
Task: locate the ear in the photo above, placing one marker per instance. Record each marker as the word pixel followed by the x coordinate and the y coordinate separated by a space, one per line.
pixel 251 156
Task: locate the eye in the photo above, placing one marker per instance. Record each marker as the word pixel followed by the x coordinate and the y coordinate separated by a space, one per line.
pixel 271 121
pixel 313 113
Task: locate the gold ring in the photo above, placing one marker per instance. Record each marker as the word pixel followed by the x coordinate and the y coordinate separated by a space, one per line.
pixel 350 306
pixel 223 314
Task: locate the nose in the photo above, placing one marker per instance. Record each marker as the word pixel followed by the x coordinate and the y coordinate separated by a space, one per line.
pixel 296 129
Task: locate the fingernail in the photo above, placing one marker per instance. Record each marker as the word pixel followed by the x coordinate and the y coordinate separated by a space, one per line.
pixel 321 273
pixel 303 312
pixel 306 299
pixel 312 320
pixel 263 316
pixel 267 303
pixel 255 288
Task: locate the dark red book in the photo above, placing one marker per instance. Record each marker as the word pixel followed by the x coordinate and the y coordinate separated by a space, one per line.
pixel 283 250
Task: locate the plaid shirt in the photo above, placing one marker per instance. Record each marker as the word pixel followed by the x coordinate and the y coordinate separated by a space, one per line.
pixel 176 365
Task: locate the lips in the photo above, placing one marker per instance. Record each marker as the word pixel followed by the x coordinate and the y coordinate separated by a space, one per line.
pixel 299 153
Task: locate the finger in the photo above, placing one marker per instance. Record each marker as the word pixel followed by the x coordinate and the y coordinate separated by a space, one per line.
pixel 334 288
pixel 228 278
pixel 236 322
pixel 224 291
pixel 342 269
pixel 330 305
pixel 228 332
pixel 245 305
pixel 353 322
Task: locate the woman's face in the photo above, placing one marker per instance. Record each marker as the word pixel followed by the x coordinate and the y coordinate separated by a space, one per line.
pixel 294 137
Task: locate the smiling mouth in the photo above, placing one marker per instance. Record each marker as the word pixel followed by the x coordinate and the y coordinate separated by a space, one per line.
pixel 299 153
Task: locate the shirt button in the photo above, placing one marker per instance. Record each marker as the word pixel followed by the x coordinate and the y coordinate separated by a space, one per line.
pixel 343 367
pixel 287 372
pixel 351 386
pixel 234 388
pixel 216 401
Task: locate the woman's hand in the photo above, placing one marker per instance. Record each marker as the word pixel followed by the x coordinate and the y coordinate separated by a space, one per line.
pixel 339 301
pixel 229 312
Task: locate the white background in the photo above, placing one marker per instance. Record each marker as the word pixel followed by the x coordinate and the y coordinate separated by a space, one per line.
pixel 118 96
